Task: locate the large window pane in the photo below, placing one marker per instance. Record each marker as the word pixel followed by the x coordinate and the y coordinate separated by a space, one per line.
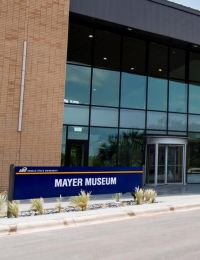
pixel 133 91
pixel 76 115
pixel 177 64
pixel 194 67
pixel 105 87
pixel 132 118
pixel 104 116
pixel 77 133
pixel 194 98
pixel 177 97
pixel 133 55
pixel 156 120
pixel 177 122
pixel 194 123
pixel 158 60
pixel 77 86
pixel 193 157
pixel 80 44
pixel 157 94
pixel 107 50
pixel 103 147
pixel 131 147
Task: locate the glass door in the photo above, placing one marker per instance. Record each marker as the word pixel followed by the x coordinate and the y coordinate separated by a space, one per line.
pixel 175 164
pixel 164 163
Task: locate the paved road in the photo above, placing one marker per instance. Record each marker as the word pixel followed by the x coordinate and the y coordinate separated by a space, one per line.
pixel 169 236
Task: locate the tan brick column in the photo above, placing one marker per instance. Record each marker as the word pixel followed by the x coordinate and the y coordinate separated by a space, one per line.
pixel 44 25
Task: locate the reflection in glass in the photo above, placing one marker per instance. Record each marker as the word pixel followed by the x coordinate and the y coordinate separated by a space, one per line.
pixel 133 91
pixel 193 152
pixel 77 86
pixel 194 97
pixel 101 116
pixel 103 147
pixel 177 97
pixel 194 67
pixel 79 44
pixel 177 122
pixel 150 164
pixel 76 115
pixel 132 118
pixel 158 60
pixel 156 120
pixel 131 148
pixel 194 123
pixel 177 64
pixel 134 52
pixel 77 133
pixel 63 145
pixel 175 163
pixel 105 87
pixel 157 94
pixel 107 50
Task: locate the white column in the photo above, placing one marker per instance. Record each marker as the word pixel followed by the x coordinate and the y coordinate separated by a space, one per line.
pixel 21 102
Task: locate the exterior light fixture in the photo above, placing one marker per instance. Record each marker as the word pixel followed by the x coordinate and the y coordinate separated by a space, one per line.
pixel 90 36
pixel 132 68
pixel 195 46
pixel 105 58
pixel 129 29
pixel 160 70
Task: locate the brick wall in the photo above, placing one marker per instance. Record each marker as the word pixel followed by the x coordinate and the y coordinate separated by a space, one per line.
pixel 44 25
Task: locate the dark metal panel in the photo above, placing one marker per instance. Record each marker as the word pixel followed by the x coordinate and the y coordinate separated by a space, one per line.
pixel 155 16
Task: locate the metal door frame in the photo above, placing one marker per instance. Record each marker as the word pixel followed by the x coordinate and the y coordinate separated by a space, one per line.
pixel 166 141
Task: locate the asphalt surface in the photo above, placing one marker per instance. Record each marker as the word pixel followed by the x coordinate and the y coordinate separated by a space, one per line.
pixel 174 235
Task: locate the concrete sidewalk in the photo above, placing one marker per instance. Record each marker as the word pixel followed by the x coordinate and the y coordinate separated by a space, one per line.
pixel 165 203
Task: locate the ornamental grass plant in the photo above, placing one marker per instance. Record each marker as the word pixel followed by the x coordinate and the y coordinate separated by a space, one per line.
pixel 150 195
pixel 81 201
pixel 3 203
pixel 13 209
pixel 37 205
pixel 139 196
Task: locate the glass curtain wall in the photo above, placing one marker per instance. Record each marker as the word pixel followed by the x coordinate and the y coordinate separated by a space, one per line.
pixel 121 88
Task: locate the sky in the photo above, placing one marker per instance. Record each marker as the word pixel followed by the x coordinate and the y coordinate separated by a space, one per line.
pixel 195 4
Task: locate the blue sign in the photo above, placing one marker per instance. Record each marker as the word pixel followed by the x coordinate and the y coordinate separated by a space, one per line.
pixel 46 182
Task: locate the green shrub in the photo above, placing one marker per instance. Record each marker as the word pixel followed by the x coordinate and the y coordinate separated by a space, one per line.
pixel 81 201
pixel 37 205
pixel 13 209
pixel 150 195
pixel 3 203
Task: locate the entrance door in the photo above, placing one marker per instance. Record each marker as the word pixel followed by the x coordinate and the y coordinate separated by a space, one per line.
pixel 76 153
pixel 165 163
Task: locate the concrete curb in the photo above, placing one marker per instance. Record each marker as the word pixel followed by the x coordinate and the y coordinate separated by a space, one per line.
pixel 123 213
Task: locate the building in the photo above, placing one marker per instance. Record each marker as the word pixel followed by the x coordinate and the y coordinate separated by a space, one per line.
pixel 122 87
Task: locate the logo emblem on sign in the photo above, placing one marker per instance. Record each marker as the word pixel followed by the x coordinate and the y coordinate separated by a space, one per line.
pixel 24 169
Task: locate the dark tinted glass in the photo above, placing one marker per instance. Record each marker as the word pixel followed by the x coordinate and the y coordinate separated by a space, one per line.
pixel 107 50
pixel 133 55
pixel 131 148
pixel 194 67
pixel 177 64
pixel 103 147
pixel 77 86
pixel 105 87
pixel 63 145
pixel 177 122
pixel 158 60
pixel 193 151
pixel 157 120
pixel 133 91
pixel 80 44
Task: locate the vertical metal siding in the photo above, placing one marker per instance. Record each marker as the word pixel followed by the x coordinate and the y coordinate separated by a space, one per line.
pixel 146 15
